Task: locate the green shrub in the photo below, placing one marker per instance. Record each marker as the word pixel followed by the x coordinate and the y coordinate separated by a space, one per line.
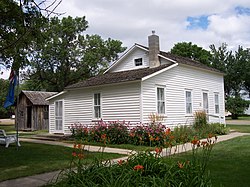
pixel 200 120
pixel 219 129
pixel 141 169
pixel 183 134
pixel 148 134
pixel 118 133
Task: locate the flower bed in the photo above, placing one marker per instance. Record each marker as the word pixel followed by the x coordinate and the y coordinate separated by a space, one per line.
pixel 141 169
pixel 153 134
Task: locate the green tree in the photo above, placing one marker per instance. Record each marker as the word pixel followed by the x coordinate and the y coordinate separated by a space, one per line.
pixel 4 113
pixel 235 66
pixel 20 24
pixel 237 106
pixel 187 49
pixel 66 56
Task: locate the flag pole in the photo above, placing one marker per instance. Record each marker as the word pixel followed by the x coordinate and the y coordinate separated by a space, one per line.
pixel 17 109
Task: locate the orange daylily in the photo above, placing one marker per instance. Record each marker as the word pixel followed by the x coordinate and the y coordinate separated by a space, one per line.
pixel 158 150
pixel 180 165
pixel 138 167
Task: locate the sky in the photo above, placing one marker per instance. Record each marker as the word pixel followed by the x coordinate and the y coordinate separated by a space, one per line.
pixel 202 22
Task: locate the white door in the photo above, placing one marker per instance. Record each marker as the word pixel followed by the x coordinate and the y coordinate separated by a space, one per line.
pixel 59 116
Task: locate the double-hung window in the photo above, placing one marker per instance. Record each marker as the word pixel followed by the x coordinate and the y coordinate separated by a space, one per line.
pixel 216 103
pixel 205 101
pixel 189 109
pixel 97 105
pixel 160 100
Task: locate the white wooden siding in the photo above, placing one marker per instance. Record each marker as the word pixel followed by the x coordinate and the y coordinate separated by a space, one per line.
pixel 177 80
pixel 128 62
pixel 51 117
pixel 118 102
pixel 121 103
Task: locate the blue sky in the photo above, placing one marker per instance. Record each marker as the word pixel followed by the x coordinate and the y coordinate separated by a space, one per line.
pixel 202 22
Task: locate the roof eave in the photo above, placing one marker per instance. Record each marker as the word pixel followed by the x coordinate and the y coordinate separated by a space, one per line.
pixel 56 95
pixel 160 71
pixel 124 55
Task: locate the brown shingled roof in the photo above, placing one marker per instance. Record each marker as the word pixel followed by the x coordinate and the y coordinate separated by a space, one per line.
pixel 137 74
pixel 184 60
pixel 117 77
pixel 38 97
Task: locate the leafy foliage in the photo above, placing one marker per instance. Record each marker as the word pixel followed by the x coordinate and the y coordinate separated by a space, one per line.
pixel 4 113
pixel 20 25
pixel 66 56
pixel 200 119
pixel 142 169
pixel 144 134
pixel 187 49
pixel 236 105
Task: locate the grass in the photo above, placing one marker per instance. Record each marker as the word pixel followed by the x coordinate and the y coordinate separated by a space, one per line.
pixel 7 122
pixel 10 129
pixel 120 146
pixel 33 158
pixel 240 128
pixel 229 162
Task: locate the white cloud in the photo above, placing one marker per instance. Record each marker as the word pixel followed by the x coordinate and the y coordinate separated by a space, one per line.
pixel 132 21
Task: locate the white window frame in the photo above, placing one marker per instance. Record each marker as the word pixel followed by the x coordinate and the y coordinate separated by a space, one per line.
pixel 203 103
pixel 58 117
pixel 186 103
pixel 97 106
pixel 161 100
pixel 216 103
pixel 137 59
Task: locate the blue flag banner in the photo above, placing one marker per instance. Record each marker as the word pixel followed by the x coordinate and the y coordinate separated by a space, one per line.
pixel 10 97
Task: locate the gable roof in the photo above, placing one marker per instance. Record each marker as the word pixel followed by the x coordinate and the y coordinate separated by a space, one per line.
pixel 183 60
pixel 118 77
pixel 38 97
pixel 138 74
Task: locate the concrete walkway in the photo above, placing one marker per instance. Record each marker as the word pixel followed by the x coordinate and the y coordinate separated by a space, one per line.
pixel 42 179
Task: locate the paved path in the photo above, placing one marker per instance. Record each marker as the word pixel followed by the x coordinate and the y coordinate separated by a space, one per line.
pixel 238 122
pixel 42 179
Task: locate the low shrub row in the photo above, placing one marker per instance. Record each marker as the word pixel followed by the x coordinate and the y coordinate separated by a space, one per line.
pixel 154 134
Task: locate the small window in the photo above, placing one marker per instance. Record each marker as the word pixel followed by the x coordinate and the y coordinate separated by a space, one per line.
pixel 189 102
pixel 97 105
pixel 216 103
pixel 160 101
pixel 138 61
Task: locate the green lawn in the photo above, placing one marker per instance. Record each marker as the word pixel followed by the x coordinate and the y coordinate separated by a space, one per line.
pixel 33 158
pixel 240 128
pixel 121 146
pixel 229 164
pixel 230 161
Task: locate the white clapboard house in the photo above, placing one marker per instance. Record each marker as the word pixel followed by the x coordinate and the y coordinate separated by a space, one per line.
pixel 143 81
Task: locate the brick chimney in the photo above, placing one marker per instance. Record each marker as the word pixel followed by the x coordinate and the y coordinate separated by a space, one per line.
pixel 154 49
